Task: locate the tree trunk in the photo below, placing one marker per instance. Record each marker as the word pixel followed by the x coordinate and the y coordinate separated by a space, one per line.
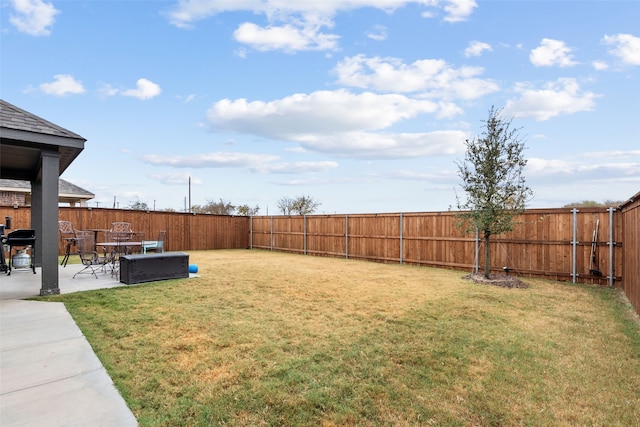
pixel 487 258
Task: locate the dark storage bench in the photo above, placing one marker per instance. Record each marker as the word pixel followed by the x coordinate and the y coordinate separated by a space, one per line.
pixel 151 267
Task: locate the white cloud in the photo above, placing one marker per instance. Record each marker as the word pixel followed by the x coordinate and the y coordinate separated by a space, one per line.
pixel 64 84
pixel 625 46
pixel 433 78
pixel 378 33
pixel 339 123
pixel 178 178
pixel 322 112
pixel 373 145
pixel 612 154
pixel 220 159
pixel 188 98
pixel 600 65
pixel 476 48
pixel 294 24
pixel 440 176
pixel 551 52
pixel 536 166
pixel 587 172
pixel 563 96
pixel 33 17
pixel 145 89
pixel 296 167
pixel 287 37
pixel 459 10
pixel 259 163
pixel 106 90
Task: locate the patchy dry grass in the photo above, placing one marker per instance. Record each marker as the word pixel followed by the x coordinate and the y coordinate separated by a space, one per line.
pixel 267 338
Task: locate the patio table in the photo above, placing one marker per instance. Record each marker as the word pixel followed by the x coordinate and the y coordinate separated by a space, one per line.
pixel 118 248
pixel 96 231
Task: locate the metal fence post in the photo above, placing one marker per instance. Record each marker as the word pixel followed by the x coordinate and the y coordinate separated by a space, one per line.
pixel 574 243
pixel 612 243
pixel 346 236
pixel 401 232
pixel 475 267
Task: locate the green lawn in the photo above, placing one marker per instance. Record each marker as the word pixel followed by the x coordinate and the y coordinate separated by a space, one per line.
pixel 263 338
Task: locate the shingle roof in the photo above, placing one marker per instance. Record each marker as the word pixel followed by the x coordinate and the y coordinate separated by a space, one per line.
pixel 25 136
pixel 64 188
pixel 12 117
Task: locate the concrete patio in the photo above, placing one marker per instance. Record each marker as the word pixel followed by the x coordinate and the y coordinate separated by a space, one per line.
pixel 49 374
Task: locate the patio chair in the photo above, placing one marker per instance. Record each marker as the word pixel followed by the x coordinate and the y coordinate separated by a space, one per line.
pixel 154 245
pixel 120 231
pixel 92 262
pixel 68 237
pixel 122 234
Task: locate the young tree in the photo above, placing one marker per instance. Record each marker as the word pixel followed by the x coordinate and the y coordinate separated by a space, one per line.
pixel 493 181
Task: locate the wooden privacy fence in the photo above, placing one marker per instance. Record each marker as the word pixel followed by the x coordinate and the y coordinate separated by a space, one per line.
pixel 587 245
pixel 630 219
pixel 580 245
pixel 184 231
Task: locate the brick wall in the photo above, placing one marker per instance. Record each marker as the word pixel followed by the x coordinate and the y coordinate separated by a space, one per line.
pixel 10 198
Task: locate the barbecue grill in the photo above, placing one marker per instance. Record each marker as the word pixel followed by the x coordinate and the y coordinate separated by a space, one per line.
pixel 20 239
pixel 3 265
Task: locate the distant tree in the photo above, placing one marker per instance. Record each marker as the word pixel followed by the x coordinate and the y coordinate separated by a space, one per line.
pixel 137 205
pixel 304 205
pixel 301 205
pixel 285 205
pixel 493 181
pixel 245 210
pixel 593 204
pixel 217 208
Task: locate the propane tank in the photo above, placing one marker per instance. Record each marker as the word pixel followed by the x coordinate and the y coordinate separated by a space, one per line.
pixel 21 259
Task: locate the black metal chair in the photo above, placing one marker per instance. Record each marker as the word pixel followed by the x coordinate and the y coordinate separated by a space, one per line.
pixel 68 236
pixel 92 261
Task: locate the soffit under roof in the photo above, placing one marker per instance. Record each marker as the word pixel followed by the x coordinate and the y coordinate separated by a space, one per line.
pixel 25 136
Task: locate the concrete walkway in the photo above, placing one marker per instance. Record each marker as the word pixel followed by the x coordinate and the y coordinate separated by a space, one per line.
pixel 49 375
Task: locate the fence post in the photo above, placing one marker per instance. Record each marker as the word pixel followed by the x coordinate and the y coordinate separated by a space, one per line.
pixel 346 235
pixel 477 252
pixel 271 233
pixel 574 244
pixel 251 232
pixel 304 234
pixel 612 243
pixel 401 232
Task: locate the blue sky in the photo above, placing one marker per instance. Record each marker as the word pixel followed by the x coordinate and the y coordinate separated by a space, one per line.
pixel 363 105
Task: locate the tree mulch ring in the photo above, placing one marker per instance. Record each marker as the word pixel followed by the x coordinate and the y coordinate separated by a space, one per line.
pixel 501 280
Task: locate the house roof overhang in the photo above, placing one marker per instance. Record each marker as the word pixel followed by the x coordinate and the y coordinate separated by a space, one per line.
pixel 23 139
